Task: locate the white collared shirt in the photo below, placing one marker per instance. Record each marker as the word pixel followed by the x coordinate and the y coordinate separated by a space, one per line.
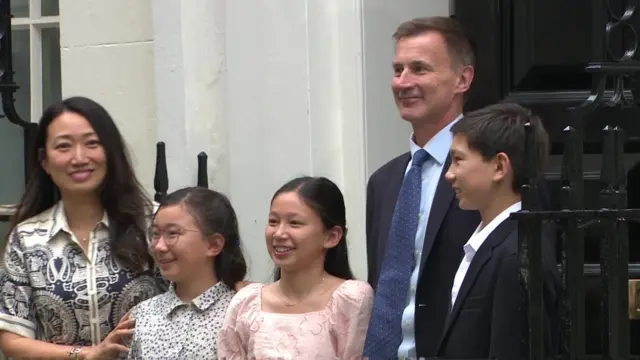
pixel 473 245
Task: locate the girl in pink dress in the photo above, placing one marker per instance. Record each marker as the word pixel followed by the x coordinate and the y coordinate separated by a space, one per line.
pixel 316 310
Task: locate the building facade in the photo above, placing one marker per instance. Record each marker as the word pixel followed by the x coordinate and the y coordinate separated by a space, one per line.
pixel 269 90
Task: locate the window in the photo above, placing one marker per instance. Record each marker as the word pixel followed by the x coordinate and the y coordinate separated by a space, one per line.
pixel 35 29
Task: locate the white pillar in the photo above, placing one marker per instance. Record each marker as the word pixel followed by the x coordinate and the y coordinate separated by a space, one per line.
pixel 190 88
pixel 295 108
pixel 107 55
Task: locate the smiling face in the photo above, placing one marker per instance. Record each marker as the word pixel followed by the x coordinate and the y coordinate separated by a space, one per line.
pixel 473 178
pixel 73 155
pixel 427 84
pixel 179 247
pixel 296 237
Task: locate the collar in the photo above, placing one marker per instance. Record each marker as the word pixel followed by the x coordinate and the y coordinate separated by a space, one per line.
pixel 439 145
pixel 203 302
pixel 60 223
pixel 481 233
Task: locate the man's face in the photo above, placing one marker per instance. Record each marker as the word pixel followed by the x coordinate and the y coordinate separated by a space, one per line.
pixel 426 84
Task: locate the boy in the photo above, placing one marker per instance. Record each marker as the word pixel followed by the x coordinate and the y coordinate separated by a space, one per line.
pixel 486 172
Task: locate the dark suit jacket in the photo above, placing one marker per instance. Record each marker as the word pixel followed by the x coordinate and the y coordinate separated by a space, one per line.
pixel 487 320
pixel 448 229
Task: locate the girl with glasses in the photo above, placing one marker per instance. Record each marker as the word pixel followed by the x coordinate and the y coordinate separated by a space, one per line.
pixel 196 243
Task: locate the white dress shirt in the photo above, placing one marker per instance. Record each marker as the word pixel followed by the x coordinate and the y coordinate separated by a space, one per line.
pixel 473 245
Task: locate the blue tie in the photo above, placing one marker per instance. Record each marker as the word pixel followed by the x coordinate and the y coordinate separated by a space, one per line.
pixel 385 331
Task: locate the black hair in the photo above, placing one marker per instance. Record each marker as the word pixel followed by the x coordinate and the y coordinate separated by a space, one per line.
pixel 501 128
pixel 120 193
pixel 214 215
pixel 325 198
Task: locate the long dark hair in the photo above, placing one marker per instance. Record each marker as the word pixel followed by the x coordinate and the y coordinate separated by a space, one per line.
pixel 121 194
pixel 214 215
pixel 326 199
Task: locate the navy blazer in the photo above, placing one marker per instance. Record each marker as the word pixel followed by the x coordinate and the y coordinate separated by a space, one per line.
pixel 487 320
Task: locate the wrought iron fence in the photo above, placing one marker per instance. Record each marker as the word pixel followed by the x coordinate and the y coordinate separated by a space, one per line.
pixel 161 177
pixel 574 218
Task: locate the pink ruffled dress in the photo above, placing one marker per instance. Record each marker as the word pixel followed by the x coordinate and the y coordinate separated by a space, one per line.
pixel 336 332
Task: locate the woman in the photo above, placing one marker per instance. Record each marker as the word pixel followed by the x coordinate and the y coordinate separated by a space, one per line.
pixel 196 243
pixel 73 268
pixel 316 310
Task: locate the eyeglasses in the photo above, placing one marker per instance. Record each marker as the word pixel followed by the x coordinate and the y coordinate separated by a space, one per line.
pixel 170 235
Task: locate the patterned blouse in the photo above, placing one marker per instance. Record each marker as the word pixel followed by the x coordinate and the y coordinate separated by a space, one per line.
pixel 335 332
pixel 167 328
pixel 53 291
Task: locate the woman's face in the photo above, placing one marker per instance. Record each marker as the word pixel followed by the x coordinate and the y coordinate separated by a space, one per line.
pixel 295 235
pixel 73 155
pixel 179 246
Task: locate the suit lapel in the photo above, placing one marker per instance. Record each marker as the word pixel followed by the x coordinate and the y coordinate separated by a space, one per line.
pixel 481 258
pixel 442 199
pixel 389 203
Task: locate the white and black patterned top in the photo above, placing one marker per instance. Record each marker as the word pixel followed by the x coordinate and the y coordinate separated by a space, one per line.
pixel 53 291
pixel 167 328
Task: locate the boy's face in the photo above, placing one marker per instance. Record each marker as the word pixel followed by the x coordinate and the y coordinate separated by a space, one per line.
pixel 473 178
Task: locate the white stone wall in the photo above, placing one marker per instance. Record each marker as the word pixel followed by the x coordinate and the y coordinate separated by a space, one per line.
pixel 269 89
pixel 107 55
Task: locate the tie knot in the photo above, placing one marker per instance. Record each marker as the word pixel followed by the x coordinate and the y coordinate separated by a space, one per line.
pixel 420 157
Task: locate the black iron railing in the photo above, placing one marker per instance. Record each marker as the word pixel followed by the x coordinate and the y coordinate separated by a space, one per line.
pixel 161 178
pixel 572 220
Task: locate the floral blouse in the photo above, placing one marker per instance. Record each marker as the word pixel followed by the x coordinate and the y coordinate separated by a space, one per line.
pixel 53 291
pixel 167 328
pixel 336 332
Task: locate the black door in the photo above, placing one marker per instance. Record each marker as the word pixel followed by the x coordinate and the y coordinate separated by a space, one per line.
pixel 534 52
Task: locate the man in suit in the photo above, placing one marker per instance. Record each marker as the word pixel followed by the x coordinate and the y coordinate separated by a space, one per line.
pixel 415 229
pixel 487 172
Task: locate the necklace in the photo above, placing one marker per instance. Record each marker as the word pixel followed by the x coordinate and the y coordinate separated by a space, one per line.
pixel 288 304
